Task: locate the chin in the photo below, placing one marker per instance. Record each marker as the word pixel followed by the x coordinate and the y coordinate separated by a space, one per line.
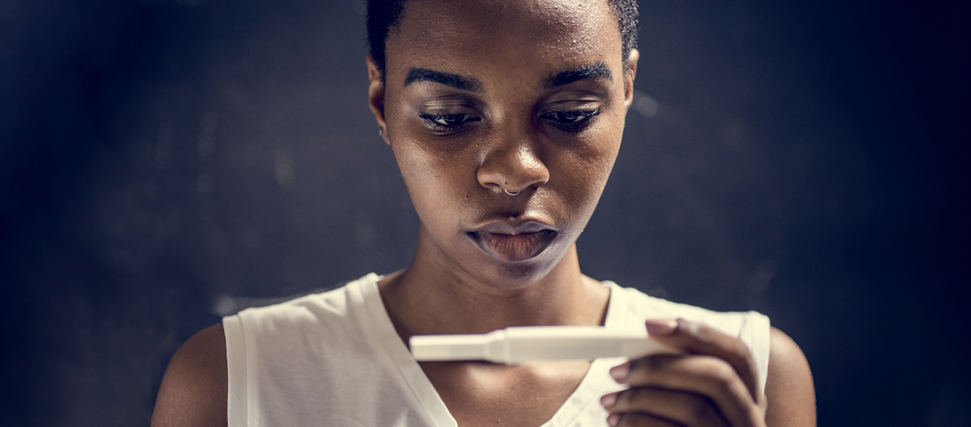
pixel 511 276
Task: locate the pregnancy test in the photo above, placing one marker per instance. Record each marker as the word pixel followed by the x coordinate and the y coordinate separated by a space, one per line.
pixel 522 344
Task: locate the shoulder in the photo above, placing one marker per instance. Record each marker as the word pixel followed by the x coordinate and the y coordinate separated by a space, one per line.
pixel 750 326
pixel 194 388
pixel 306 308
pixel 789 389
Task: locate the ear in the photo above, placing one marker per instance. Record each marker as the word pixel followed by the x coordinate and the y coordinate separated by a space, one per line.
pixel 375 95
pixel 629 75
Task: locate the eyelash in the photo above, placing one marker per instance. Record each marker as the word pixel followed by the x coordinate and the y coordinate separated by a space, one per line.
pixel 458 122
pixel 569 121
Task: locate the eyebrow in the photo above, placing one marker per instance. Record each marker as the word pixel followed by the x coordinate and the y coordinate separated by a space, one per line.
pixel 597 70
pixel 416 75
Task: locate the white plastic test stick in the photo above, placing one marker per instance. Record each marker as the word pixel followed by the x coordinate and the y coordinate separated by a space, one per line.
pixel 516 345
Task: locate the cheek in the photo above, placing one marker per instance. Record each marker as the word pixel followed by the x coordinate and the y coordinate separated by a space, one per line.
pixel 435 181
pixel 416 169
pixel 593 157
pixel 586 168
pixel 416 165
pixel 432 169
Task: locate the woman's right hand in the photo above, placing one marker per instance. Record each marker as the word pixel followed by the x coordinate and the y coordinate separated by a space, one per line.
pixel 714 383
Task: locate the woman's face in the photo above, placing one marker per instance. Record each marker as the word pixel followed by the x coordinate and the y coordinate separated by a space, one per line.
pixel 487 98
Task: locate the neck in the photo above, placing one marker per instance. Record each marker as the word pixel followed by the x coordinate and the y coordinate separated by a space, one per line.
pixel 426 298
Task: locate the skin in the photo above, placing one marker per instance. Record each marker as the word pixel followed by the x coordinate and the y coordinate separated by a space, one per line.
pixel 526 97
pixel 511 137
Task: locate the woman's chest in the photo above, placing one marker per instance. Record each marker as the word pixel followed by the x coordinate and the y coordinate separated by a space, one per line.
pixel 479 394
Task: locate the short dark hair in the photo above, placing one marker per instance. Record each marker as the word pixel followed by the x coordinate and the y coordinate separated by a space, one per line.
pixel 385 15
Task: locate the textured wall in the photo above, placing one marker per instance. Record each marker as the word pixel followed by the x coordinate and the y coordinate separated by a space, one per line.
pixel 162 162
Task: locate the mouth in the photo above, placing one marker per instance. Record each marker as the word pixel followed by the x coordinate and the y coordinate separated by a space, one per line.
pixel 510 243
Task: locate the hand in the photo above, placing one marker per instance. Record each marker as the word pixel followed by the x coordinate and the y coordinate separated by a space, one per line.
pixel 715 383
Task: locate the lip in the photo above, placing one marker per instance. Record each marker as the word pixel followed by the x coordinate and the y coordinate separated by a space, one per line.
pixel 513 242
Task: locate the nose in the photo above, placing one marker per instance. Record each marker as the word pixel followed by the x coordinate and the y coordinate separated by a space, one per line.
pixel 512 167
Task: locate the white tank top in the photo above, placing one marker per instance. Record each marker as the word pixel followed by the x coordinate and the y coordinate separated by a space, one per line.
pixel 334 359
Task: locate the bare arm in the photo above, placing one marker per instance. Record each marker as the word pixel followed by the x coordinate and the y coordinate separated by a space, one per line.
pixel 194 388
pixel 789 389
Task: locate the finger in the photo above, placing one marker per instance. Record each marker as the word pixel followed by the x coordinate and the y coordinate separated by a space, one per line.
pixel 698 338
pixel 707 376
pixel 689 409
pixel 632 419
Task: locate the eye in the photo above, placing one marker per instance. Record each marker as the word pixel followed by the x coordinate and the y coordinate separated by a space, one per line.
pixel 447 123
pixel 571 121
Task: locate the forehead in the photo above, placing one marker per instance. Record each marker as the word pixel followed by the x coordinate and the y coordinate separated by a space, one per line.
pixel 458 35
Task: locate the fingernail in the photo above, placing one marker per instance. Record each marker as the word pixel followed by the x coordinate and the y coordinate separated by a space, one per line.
pixel 620 372
pixel 613 419
pixel 661 327
pixel 609 400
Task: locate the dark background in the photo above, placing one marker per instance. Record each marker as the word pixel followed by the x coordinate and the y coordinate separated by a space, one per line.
pixel 162 162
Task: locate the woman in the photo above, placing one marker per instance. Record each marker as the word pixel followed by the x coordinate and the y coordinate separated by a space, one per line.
pixel 505 118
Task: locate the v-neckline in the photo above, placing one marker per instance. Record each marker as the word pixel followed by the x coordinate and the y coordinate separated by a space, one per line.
pixel 384 332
